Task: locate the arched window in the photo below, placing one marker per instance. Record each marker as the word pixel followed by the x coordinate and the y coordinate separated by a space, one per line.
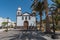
pixel 18 13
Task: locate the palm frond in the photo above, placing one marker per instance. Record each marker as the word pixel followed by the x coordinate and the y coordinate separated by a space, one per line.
pixel 39 6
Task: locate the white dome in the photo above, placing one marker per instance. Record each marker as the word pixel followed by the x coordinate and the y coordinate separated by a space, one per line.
pixel 19 8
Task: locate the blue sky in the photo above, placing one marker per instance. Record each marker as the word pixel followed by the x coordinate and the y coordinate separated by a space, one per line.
pixel 8 8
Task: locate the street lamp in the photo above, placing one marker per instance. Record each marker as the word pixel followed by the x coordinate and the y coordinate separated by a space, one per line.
pixel 52 11
pixel 7 23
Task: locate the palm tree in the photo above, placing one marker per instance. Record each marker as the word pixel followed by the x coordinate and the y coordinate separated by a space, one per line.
pixel 39 8
pixel 47 17
pixel 57 4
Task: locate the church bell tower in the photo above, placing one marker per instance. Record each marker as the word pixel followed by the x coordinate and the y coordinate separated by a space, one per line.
pixel 19 11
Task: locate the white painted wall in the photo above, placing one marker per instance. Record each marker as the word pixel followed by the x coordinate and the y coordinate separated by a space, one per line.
pixel 32 21
pixel 19 21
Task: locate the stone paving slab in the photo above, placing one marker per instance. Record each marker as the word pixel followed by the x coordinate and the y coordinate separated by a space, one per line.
pixel 8 35
pixel 15 34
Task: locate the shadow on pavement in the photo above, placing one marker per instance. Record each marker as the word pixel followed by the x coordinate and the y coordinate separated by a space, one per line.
pixel 29 36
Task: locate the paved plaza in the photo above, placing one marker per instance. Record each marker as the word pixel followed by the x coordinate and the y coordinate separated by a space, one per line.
pixel 24 35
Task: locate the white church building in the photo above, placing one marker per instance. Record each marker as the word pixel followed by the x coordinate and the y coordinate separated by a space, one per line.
pixel 25 20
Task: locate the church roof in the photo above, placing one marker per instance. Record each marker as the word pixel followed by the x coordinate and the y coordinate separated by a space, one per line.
pixel 26 13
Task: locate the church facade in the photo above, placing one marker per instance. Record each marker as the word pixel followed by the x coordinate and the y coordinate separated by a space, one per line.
pixel 25 20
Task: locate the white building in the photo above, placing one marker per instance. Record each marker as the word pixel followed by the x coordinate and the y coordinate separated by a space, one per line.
pixel 5 20
pixel 25 19
pixel 1 20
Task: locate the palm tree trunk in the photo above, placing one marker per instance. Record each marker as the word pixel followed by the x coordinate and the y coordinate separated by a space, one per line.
pixel 40 20
pixel 47 17
pixel 56 21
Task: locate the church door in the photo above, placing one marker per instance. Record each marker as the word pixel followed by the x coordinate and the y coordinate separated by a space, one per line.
pixel 25 25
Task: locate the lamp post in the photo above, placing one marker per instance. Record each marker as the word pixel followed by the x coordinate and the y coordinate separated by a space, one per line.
pixel 52 11
pixel 7 23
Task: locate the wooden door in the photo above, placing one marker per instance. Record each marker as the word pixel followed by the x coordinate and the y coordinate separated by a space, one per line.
pixel 25 25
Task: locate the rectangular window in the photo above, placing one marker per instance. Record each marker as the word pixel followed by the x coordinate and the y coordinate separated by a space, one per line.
pixel 22 18
pixel 26 18
pixel 29 17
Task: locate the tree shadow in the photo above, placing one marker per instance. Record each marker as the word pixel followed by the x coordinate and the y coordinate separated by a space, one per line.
pixel 28 36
